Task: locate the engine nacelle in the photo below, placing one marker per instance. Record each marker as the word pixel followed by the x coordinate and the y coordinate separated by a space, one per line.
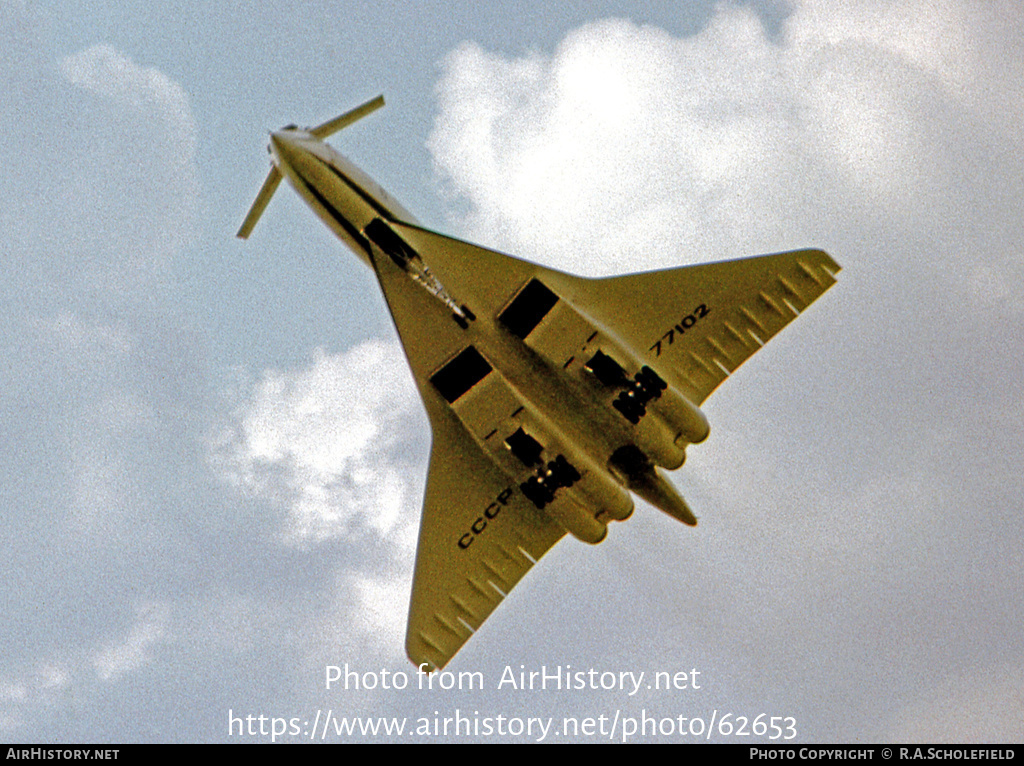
pixel 684 418
pixel 663 420
pixel 579 494
pixel 577 521
pixel 552 472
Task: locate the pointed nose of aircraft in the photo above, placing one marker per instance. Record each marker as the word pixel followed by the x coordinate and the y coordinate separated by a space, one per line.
pixel 284 147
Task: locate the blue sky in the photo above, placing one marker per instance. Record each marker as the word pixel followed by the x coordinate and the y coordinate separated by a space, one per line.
pixel 214 454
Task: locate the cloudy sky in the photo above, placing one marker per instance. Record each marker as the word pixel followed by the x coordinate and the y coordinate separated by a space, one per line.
pixel 213 454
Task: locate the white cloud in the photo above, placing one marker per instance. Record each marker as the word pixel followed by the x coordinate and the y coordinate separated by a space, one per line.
pixel 628 148
pixel 98 372
pixel 136 649
pixel 108 415
pixel 364 616
pixel 50 684
pixel 968 48
pixel 326 444
pixel 624 141
pixel 127 191
pixel 338 447
pixel 74 339
pixel 104 70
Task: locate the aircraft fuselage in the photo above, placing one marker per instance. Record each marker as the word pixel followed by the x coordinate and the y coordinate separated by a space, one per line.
pixel 552 398
pixel 554 405
pixel 344 197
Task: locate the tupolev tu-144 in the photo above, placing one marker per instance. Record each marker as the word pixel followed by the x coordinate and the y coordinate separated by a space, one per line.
pixel 551 397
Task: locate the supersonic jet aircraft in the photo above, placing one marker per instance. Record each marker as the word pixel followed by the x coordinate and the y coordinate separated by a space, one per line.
pixel 551 397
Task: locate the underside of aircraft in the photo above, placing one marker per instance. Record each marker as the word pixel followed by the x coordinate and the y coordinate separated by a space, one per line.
pixel 552 398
